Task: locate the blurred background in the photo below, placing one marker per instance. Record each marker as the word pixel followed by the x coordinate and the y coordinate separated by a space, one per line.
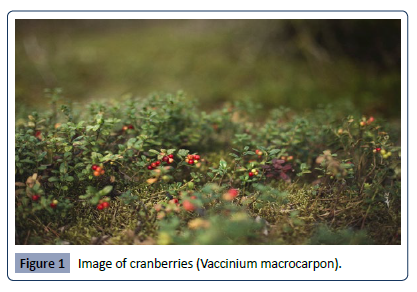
pixel 293 63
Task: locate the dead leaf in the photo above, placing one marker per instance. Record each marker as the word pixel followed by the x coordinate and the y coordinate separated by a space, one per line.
pixel 151 180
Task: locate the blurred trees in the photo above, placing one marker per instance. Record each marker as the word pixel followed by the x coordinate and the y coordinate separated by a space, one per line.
pixel 296 63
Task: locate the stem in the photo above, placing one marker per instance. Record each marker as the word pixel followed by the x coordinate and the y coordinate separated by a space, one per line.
pixel 369 174
pixel 221 180
pixel 367 211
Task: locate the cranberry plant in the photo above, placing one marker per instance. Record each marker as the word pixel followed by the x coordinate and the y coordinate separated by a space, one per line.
pixel 158 170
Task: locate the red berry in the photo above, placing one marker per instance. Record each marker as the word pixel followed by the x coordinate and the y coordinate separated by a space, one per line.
pixel 233 192
pixel 105 205
pixel 96 173
pixel 371 119
pixel 125 128
pixel 190 161
pixel 170 160
pixel 100 207
pixel 174 201
pixel 165 158
pixel 35 197
pixel 150 167
pixel 171 156
pixel 53 206
pixel 98 168
pixel 102 171
pixel 130 127
pixel 153 164
pixel 378 149
pixel 250 173
pixel 188 206
pixel 94 167
pixel 196 157
pixel 158 163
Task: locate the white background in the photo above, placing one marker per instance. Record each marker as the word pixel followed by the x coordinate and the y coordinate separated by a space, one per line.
pixel 358 262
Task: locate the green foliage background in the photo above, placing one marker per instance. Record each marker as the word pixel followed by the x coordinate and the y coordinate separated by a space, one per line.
pixel 295 63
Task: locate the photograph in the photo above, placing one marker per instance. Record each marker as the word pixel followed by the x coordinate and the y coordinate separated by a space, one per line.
pixel 207 132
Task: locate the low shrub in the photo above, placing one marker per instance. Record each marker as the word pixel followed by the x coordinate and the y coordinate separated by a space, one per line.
pixel 160 171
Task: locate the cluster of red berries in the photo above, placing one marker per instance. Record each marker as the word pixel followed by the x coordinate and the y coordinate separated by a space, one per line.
pixel 97 170
pixel 154 165
pixel 383 152
pixel 167 158
pixel 186 204
pixel 368 122
pixel 287 158
pixel 253 172
pixel 127 127
pixel 175 205
pixel 192 159
pixel 102 205
pixel 53 204
pixel 259 153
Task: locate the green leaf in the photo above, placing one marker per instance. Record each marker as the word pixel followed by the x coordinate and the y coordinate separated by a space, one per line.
pixel 223 164
pixel 79 165
pixel 183 152
pixel 91 189
pixel 274 151
pixel 53 179
pixel 131 142
pixel 63 167
pixel 154 152
pixel 70 178
pixel 106 190
pixel 96 156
